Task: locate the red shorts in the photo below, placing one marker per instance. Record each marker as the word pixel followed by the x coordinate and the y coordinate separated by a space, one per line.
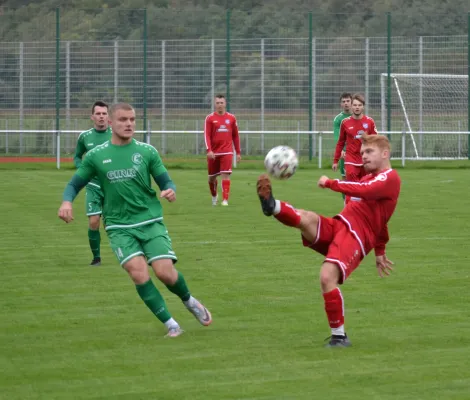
pixel 221 165
pixel 354 173
pixel 338 244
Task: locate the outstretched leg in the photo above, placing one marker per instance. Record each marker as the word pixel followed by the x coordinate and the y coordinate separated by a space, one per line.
pixel 305 221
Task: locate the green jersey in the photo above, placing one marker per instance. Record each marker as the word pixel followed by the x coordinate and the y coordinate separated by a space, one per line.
pixel 337 124
pixel 87 141
pixel 124 174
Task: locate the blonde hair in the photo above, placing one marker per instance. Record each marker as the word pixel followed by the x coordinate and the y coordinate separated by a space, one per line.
pixel 359 97
pixel 379 141
pixel 120 106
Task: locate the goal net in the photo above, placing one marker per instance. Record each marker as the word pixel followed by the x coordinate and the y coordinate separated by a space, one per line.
pixel 432 109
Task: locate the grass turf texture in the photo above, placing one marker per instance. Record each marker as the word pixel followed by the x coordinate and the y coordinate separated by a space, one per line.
pixel 70 331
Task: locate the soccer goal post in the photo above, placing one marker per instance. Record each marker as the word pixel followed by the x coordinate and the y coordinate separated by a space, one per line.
pixel 432 109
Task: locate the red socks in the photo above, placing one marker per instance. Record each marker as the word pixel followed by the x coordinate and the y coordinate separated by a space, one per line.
pixel 213 188
pixel 288 215
pixel 225 189
pixel 334 308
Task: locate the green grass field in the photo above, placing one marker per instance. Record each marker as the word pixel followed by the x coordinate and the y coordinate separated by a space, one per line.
pixel 70 331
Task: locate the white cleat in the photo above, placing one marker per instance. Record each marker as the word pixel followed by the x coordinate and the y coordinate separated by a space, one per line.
pixel 225 203
pixel 214 200
pixel 201 313
pixel 174 331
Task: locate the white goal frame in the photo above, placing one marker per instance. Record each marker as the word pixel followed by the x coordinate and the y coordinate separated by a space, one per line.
pixel 395 78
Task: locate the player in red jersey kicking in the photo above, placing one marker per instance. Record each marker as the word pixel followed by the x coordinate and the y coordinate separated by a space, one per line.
pixel 220 131
pixel 351 131
pixel 349 236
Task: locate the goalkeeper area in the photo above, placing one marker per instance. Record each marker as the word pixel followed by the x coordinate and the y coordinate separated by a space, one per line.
pixel 433 111
pixel 70 331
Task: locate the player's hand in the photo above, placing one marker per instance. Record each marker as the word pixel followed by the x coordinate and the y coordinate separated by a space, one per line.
pixel 65 212
pixel 322 181
pixel 335 167
pixel 343 154
pixel 384 265
pixel 211 155
pixel 168 194
pixel 239 157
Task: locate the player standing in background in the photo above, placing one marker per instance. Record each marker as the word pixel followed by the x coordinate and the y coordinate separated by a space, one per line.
pixel 351 131
pixel 88 140
pixel 348 237
pixel 133 214
pixel 345 103
pixel 220 131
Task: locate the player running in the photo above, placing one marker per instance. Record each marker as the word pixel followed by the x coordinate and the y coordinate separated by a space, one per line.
pixel 133 214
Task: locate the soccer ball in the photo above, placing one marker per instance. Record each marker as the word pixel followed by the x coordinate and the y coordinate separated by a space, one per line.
pixel 281 162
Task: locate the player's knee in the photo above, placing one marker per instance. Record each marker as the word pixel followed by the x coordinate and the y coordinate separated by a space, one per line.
pixel 308 219
pixel 137 270
pixel 329 276
pixel 165 271
pixel 94 222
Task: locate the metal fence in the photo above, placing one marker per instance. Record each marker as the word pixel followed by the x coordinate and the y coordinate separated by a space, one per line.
pixel 279 83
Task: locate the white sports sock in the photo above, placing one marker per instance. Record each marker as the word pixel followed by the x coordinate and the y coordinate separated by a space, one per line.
pixel 338 331
pixel 277 209
pixel 189 301
pixel 171 323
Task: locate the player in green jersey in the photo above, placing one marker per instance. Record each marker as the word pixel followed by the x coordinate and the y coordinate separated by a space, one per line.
pixel 345 102
pixel 87 141
pixel 133 214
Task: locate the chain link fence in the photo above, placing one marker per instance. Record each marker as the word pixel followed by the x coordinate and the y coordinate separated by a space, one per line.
pixel 279 74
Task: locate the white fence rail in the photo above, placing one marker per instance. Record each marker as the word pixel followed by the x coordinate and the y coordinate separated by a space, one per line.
pixel 317 146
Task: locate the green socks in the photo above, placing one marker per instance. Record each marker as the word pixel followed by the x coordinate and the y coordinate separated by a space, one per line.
pixel 153 300
pixel 94 238
pixel 180 288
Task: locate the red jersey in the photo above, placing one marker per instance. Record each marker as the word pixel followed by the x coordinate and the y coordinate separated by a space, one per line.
pixel 373 201
pixel 220 131
pixel 350 133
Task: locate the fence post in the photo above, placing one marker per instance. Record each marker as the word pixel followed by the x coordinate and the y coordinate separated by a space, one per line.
pixel 262 95
pixel 420 94
pixel 67 93
pixel 227 58
pixel 58 149
pixel 57 69
pixel 6 136
pixel 197 136
pixel 212 74
pixel 116 71
pixel 389 72
pixel 144 80
pixel 468 85
pixel 149 131
pixel 320 149
pixel 21 95
pixel 310 84
pixel 163 88
pixel 366 76
pixel 403 144
pixel 246 140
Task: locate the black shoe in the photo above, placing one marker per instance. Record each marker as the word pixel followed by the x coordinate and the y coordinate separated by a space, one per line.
pixel 96 262
pixel 265 194
pixel 338 341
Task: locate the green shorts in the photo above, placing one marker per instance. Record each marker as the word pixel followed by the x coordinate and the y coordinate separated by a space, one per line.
pixel 151 241
pixel 342 170
pixel 93 200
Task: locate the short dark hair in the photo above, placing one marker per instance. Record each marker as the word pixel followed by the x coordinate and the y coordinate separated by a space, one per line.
pixel 98 103
pixel 219 96
pixel 120 106
pixel 359 97
pixel 345 95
